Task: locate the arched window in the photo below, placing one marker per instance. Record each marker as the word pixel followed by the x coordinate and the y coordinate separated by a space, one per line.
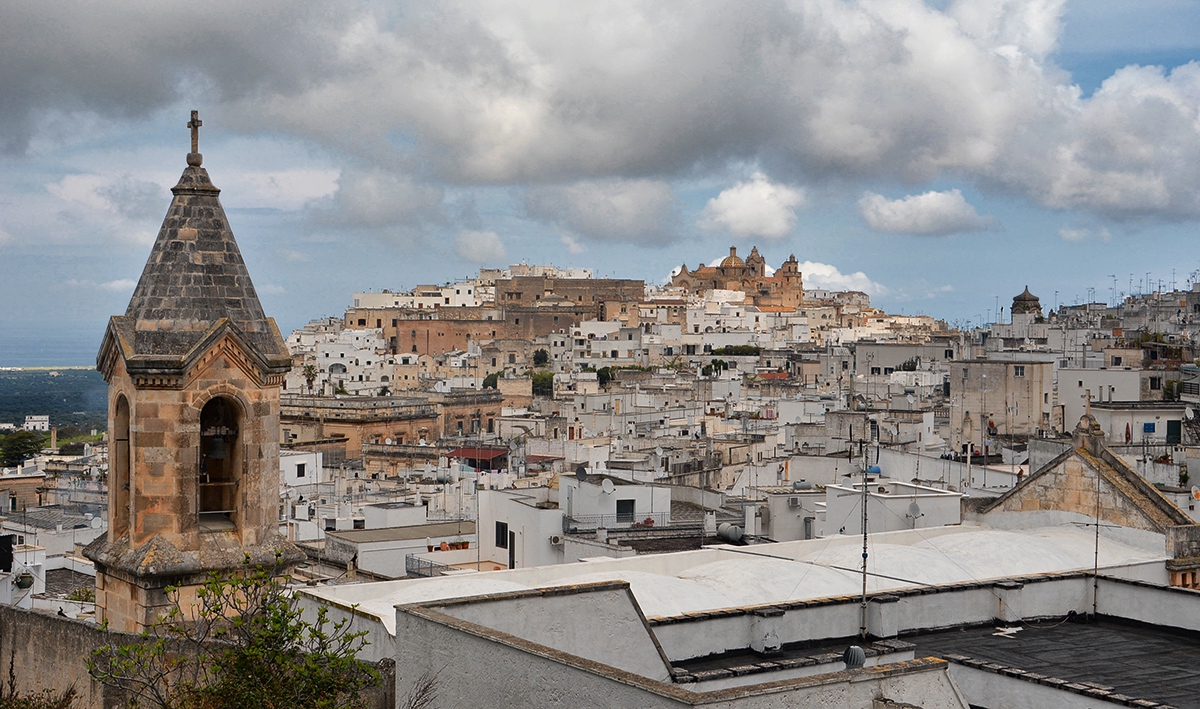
pixel 337 368
pixel 220 464
pixel 120 462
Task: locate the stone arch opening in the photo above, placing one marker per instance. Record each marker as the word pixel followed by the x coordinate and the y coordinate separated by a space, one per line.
pixel 221 464
pixel 120 463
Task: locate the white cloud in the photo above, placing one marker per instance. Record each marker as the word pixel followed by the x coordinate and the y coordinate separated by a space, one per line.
pixel 496 93
pixel 825 276
pixel 273 289
pixel 292 255
pixel 1080 234
pixel 573 246
pixel 929 214
pixel 634 211
pixel 483 247
pixel 282 189
pixel 754 208
pixel 380 199
pixel 119 286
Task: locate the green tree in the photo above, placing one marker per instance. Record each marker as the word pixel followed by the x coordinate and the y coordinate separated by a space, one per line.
pixel 310 376
pixel 489 382
pixel 738 351
pixel 543 383
pixel 1172 389
pixel 19 445
pixel 541 358
pixel 244 643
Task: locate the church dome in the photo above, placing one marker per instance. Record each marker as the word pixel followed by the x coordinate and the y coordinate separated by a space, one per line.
pixel 732 260
pixel 1026 302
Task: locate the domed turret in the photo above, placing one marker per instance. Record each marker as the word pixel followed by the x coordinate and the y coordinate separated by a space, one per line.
pixel 733 260
pixel 1026 303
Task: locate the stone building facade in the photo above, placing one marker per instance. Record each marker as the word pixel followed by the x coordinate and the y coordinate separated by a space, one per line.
pixel 783 288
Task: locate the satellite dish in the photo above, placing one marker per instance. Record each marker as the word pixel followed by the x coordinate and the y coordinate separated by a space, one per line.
pixel 658 451
pixel 581 473
pixel 914 510
pixel 911 399
pixel 387 441
pixel 608 487
pixel 1195 493
pixel 1189 413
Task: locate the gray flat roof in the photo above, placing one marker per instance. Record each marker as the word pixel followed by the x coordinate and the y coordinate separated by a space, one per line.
pixel 1143 661
pixel 394 534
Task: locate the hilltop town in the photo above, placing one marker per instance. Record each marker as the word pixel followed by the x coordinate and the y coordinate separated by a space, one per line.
pixel 537 487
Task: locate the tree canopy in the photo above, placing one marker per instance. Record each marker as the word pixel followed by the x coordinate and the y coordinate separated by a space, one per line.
pixel 244 643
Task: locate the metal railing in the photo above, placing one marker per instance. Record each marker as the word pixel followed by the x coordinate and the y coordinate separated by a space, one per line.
pixel 590 523
pixel 416 567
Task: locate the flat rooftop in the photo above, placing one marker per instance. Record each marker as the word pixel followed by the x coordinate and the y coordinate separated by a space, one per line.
pixel 1143 661
pixel 714 578
pixel 395 534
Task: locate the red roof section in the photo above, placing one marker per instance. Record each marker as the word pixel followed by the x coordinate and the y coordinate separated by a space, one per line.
pixel 478 453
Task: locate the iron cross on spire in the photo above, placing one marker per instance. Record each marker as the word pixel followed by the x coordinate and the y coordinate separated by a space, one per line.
pixel 195 124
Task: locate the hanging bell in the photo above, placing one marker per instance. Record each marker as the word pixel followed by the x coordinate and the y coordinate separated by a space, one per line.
pixel 217 450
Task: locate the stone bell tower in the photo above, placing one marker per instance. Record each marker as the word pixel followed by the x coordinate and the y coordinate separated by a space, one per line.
pixel 194 369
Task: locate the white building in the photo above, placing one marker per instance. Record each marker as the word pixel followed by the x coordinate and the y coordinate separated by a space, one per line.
pixel 891 506
pixel 36 423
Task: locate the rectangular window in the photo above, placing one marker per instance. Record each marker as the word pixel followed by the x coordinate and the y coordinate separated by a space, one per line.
pixel 360 524
pixel 299 470
pixel 625 510
pixel 1116 361
pixel 1155 383
pixel 1018 370
pixel 330 524
pixel 502 535
pixel 491 425
pixel 362 321
pixel 875 370
pixel 948 354
pixel 1148 427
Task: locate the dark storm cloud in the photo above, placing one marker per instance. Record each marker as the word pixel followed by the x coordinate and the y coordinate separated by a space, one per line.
pixel 596 94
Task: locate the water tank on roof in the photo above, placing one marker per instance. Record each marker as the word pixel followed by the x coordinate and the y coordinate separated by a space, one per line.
pixel 802 485
pixel 874 470
pixel 729 532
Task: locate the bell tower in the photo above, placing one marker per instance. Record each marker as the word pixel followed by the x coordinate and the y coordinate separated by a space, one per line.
pixel 194 369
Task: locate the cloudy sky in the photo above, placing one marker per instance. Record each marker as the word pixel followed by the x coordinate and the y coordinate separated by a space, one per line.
pixel 939 155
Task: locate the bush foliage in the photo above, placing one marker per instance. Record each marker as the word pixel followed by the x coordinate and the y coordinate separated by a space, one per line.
pixel 244 643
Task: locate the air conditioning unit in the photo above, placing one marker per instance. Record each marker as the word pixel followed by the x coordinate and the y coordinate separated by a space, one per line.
pixel 556 540
pixel 793 502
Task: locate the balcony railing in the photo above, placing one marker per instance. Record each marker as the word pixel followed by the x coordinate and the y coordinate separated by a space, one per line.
pixel 590 523
pixel 416 567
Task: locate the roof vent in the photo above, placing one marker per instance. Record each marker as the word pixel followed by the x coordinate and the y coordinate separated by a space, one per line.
pixel 854 657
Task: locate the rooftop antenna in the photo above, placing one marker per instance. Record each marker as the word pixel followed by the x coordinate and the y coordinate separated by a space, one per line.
pixel 862 624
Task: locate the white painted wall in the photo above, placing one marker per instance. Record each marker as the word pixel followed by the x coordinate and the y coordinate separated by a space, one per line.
pixel 532 526
pixel 888 511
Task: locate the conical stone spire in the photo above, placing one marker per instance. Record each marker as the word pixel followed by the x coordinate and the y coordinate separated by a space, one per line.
pixel 194 282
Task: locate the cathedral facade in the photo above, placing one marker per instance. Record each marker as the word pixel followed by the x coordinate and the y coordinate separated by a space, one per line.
pixel 784 288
